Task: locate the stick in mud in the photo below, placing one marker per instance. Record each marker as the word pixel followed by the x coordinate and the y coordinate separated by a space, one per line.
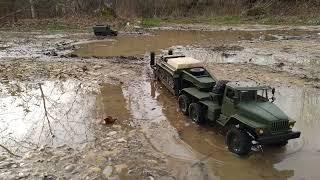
pixel 10 152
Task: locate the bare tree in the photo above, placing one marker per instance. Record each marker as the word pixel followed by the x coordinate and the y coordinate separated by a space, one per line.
pixel 33 13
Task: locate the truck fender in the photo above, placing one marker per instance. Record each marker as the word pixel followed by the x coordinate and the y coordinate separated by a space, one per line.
pixel 243 120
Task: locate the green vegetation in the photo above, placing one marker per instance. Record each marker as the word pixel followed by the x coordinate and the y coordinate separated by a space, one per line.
pixel 151 22
pixel 80 14
pixel 233 20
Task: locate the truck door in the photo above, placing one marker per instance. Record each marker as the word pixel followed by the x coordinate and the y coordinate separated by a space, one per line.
pixel 228 106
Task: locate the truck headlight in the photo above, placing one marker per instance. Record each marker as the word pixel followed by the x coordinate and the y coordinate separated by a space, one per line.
pixel 260 131
pixel 291 124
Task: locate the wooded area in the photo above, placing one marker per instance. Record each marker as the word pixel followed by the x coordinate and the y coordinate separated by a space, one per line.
pixel 16 9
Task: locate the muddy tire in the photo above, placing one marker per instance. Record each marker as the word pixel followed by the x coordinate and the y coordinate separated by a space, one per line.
pixel 279 144
pixel 238 141
pixel 184 103
pixel 195 113
pixel 114 33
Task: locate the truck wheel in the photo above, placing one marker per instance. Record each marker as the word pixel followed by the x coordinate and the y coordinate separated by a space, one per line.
pixel 184 102
pixel 195 113
pixel 238 142
pixel 280 144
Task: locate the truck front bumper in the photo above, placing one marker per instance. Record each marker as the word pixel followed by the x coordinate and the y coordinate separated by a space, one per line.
pixel 278 138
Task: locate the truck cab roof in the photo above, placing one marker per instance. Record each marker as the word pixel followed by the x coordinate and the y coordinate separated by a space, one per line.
pixel 247 85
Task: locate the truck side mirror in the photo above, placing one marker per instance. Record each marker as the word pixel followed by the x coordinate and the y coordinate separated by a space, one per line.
pixel 273 93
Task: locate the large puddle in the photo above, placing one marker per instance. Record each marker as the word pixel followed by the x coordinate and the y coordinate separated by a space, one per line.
pixel 49 113
pixel 200 151
pixel 260 47
pixel 72 107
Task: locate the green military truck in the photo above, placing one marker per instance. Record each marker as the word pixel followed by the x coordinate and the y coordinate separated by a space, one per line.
pixel 244 109
pixel 104 30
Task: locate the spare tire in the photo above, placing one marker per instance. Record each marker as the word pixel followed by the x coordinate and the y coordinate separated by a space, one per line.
pixel 220 87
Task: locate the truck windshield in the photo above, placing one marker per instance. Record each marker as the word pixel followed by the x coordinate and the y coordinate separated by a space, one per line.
pixel 262 95
pixel 248 95
pixel 254 95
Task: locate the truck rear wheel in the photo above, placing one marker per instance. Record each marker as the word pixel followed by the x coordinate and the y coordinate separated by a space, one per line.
pixel 238 141
pixel 195 113
pixel 184 103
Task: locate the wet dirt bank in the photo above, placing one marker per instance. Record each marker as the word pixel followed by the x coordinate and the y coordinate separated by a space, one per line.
pixel 287 52
pixel 111 120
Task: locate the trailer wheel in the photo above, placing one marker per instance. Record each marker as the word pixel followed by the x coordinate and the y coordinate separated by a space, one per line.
pixel 195 113
pixel 184 103
pixel 238 141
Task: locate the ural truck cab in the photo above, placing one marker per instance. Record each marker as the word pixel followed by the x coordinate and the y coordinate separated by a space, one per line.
pixel 245 109
pixel 250 115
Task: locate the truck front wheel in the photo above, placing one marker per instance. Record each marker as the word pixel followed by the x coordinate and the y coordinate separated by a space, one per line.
pixel 184 103
pixel 195 113
pixel 238 141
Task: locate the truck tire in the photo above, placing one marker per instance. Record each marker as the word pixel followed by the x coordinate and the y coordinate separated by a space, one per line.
pixel 114 33
pixel 184 103
pixel 238 141
pixel 195 113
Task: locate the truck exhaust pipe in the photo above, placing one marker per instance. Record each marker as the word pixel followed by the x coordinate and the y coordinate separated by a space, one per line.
pixel 152 58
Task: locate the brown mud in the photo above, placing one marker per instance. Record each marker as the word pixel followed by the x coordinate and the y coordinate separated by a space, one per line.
pixel 147 137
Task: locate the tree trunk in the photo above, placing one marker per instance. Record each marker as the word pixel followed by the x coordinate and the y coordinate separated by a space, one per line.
pixel 13 11
pixel 33 13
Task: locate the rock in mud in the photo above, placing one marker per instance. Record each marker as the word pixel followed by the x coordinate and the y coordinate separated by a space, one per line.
pixel 94 170
pixel 70 168
pixel 120 167
pixel 112 133
pixel 110 120
pixel 107 172
pixel 121 140
pixel 280 64
pixel 2 158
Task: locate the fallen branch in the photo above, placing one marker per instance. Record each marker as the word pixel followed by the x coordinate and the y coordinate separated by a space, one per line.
pixel 45 110
pixel 10 152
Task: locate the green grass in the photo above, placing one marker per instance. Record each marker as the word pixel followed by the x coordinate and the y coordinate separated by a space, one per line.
pixel 151 22
pixel 233 20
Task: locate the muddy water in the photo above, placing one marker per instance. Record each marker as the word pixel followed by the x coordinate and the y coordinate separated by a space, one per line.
pixel 135 45
pixel 26 114
pixel 202 151
pixel 111 103
pixel 194 152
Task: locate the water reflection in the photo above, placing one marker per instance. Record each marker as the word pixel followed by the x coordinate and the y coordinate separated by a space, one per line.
pixel 26 114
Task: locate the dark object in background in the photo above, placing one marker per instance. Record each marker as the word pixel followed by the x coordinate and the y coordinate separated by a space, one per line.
pixel 104 30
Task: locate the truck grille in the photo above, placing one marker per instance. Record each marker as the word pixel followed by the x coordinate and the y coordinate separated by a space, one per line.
pixel 279 126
